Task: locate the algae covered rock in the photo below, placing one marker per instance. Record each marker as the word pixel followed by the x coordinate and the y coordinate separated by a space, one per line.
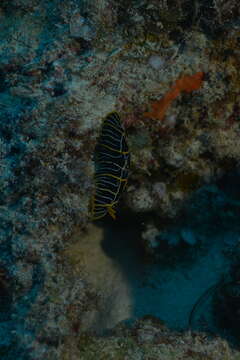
pixel 63 67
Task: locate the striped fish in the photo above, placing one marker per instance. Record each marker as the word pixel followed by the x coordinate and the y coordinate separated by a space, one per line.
pixel 111 167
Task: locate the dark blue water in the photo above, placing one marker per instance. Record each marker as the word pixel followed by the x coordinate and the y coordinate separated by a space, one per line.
pixel 179 282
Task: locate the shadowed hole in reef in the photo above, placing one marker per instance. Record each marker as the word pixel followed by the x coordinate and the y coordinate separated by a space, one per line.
pixel 5 296
pixel 192 279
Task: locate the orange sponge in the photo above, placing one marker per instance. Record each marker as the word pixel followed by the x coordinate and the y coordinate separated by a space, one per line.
pixel 186 83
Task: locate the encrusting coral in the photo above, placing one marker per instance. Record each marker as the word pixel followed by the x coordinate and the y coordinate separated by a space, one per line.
pixel 186 83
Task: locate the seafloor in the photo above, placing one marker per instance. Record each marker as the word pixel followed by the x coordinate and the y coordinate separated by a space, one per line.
pixel 162 281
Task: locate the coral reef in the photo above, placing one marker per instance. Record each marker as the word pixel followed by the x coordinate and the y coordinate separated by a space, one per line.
pixel 150 339
pixel 63 67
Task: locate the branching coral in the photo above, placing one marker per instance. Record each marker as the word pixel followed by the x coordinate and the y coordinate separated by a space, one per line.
pixel 186 83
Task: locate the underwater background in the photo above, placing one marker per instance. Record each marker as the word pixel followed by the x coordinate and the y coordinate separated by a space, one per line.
pixel 162 281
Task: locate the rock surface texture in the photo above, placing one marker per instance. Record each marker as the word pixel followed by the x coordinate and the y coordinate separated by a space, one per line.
pixel 63 66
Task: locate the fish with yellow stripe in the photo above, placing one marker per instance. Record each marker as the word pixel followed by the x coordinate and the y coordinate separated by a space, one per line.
pixel 112 160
